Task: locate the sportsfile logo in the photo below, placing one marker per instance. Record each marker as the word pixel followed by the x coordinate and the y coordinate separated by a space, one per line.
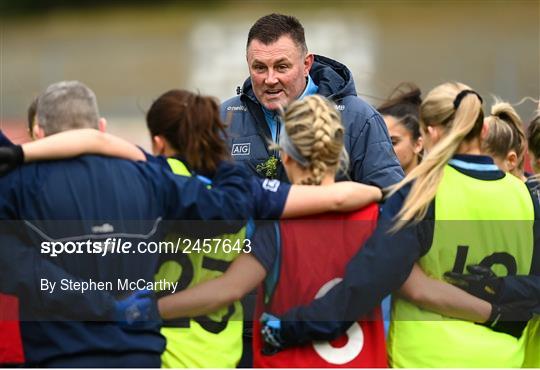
pixel 241 149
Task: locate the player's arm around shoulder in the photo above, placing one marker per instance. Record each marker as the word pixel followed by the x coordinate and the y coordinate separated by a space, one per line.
pixel 229 199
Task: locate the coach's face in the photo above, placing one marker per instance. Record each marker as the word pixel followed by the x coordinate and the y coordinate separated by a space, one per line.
pixel 278 71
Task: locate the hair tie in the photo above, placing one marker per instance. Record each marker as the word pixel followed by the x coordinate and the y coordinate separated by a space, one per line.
pixel 464 93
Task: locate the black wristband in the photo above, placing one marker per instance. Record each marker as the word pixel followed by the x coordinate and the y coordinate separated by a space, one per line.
pixel 18 154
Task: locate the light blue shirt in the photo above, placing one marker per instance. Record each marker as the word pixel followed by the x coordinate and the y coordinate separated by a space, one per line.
pixel 272 117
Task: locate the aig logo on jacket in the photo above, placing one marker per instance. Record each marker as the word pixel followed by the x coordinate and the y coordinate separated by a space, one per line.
pixel 241 149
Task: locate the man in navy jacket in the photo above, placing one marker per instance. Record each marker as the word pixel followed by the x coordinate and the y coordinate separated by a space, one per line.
pixel 281 71
pixel 95 198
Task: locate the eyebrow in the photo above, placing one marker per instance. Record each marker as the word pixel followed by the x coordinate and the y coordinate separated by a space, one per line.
pixel 282 60
pixel 279 61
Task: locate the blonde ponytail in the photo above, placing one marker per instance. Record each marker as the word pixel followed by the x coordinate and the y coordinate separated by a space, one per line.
pixel 461 124
pixel 505 133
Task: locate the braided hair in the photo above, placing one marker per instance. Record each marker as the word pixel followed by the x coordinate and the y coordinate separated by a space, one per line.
pixel 314 127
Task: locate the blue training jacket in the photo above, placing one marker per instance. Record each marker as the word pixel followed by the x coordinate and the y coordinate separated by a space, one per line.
pixel 94 197
pixel 372 158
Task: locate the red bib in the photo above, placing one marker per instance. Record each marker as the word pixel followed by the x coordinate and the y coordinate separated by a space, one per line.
pixel 313 255
pixel 11 351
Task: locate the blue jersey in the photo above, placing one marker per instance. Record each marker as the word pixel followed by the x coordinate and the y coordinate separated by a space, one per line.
pixel 92 197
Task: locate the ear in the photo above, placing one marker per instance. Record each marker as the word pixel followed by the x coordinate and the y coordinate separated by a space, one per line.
pixel 432 133
pixel 418 145
pixel 285 158
pixel 485 130
pixel 37 131
pixel 158 145
pixel 102 124
pixel 512 160
pixel 308 62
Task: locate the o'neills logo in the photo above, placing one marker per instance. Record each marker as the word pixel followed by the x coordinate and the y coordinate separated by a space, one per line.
pixel 340 107
pixel 271 185
pixel 102 229
pixel 241 149
pixel 242 108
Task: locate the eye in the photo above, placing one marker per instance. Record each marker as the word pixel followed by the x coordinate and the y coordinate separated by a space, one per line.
pixel 259 67
pixel 282 67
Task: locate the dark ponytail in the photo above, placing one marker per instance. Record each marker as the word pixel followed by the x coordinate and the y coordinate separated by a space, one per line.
pixel 403 103
pixel 192 126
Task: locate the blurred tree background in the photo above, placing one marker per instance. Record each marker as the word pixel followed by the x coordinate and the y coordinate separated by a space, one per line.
pixel 129 52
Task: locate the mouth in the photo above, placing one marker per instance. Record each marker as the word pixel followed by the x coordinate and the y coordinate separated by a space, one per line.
pixel 273 93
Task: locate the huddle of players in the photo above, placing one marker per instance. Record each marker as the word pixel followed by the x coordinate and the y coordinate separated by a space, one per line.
pixel 315 143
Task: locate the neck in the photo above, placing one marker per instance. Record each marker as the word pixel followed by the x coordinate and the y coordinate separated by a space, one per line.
pixel 303 90
pixel 470 147
pixel 328 179
pixel 411 166
pixel 170 153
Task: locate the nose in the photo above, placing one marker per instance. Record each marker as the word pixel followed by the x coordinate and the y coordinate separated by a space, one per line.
pixel 271 77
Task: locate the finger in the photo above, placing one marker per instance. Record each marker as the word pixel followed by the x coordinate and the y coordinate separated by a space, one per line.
pixel 456 279
pixel 480 270
pixel 269 337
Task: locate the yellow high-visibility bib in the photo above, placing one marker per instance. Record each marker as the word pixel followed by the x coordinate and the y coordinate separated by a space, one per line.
pixel 213 341
pixel 476 221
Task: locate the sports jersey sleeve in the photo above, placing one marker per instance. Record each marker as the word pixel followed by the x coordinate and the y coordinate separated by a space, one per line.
pixel 229 200
pixel 521 288
pixel 269 198
pixel 380 267
pixel 265 244
pixel 156 159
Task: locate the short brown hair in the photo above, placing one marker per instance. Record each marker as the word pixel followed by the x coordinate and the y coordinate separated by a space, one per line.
pixel 271 27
